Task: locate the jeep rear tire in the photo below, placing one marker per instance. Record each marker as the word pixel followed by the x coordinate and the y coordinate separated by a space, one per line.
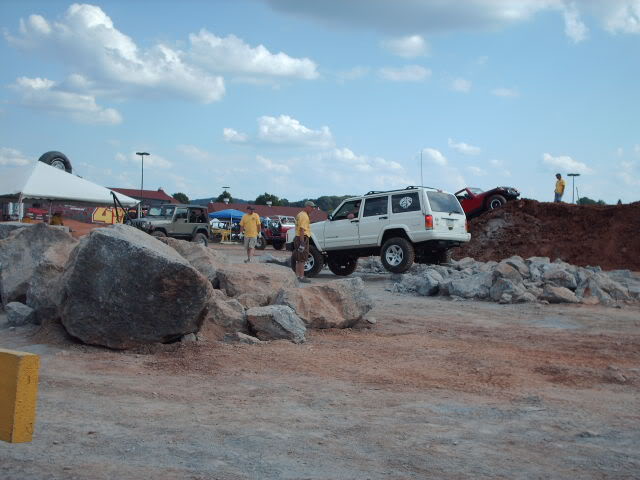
pixel 342 265
pixel 397 255
pixel 261 243
pixel 278 244
pixel 158 234
pixel 200 238
pixel 314 263
pixel 496 201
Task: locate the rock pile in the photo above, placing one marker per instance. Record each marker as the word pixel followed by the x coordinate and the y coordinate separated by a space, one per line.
pixel 121 288
pixel 515 280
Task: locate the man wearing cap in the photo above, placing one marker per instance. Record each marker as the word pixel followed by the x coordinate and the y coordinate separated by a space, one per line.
pixel 301 242
pixel 250 226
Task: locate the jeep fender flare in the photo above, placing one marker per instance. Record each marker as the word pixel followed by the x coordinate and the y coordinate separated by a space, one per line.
pixel 393 231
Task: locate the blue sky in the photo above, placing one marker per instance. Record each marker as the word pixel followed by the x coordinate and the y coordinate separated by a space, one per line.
pixel 306 98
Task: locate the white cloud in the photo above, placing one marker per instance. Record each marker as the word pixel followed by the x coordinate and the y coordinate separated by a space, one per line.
pixel 13 157
pixel 408 47
pixel 461 85
pixel 434 156
pixel 409 73
pixel 566 164
pixel 505 92
pixel 353 74
pixel 573 26
pixel 464 148
pixel 477 171
pixel 232 55
pixel 270 165
pixel 151 161
pixel 391 16
pixel 86 41
pixel 44 94
pixel 285 130
pixel 195 153
pixel 231 135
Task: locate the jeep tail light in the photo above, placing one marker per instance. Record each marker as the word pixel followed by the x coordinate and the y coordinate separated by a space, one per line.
pixel 428 222
pixel 466 226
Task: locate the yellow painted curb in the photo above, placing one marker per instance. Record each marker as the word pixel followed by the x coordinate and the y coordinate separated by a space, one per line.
pixel 18 395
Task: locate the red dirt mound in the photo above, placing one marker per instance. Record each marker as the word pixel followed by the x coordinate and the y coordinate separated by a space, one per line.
pixel 608 236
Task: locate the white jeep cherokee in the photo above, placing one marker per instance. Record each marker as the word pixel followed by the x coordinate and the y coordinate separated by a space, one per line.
pixel 418 224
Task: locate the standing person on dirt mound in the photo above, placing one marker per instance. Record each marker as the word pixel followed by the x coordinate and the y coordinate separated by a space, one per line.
pixel 559 191
pixel 250 225
pixel 301 241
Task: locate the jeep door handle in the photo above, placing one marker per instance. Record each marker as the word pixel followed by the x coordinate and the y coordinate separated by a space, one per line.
pixel 355 221
pixel 383 218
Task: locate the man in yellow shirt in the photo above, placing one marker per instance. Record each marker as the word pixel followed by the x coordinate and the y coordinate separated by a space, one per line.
pixel 559 191
pixel 301 241
pixel 250 226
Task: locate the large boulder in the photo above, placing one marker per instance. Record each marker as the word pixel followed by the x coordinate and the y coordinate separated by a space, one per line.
pixel 7 227
pixel 337 304
pixel 560 278
pixel 474 286
pixel 553 294
pixel 124 288
pixel 206 260
pixel 238 279
pixel 275 322
pixel 19 314
pixel 21 253
pixel 227 313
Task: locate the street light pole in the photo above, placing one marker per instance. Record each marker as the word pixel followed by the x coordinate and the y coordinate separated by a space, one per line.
pixel 421 179
pixel 142 155
pixel 573 185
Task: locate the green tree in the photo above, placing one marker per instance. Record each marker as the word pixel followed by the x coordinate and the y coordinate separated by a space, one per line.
pixel 224 195
pixel 181 197
pixel 619 202
pixel 266 197
pixel 590 201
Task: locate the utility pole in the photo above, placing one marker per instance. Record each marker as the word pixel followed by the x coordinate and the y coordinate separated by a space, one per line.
pixel 142 155
pixel 573 185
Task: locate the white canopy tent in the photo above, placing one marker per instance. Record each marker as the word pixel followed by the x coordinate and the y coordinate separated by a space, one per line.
pixel 44 182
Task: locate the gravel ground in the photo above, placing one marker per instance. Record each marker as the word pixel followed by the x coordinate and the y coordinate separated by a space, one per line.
pixel 433 389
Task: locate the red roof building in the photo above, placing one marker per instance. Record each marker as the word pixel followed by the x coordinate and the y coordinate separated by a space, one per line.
pixel 149 197
pixel 267 211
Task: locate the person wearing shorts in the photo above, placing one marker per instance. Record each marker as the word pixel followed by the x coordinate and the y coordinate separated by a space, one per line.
pixel 301 240
pixel 250 226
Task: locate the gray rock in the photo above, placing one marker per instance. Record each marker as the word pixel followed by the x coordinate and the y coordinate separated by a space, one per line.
pixel 239 337
pixel 463 263
pixel 275 322
pixel 227 313
pixel 431 283
pixel 7 227
pixel 554 294
pixel 519 264
pixel 475 286
pixel 599 288
pixel 504 286
pixel 206 260
pixel 189 338
pixel 44 293
pixel 250 300
pixel 508 272
pixel 23 250
pixel 338 304
pixel 560 278
pixel 255 278
pixel 124 288
pixel 19 314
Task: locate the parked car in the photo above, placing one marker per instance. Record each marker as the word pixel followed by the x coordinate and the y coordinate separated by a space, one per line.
pixel 401 226
pixel 475 201
pixel 187 222
pixel 275 228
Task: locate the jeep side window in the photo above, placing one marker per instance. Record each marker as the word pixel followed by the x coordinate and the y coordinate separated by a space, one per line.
pixel 405 202
pixel 375 206
pixel 181 214
pixel 346 209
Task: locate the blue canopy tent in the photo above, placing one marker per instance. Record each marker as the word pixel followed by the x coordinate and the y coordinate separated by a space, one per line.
pixel 228 214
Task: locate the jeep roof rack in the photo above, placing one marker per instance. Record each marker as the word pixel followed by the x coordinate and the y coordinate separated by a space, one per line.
pixel 411 187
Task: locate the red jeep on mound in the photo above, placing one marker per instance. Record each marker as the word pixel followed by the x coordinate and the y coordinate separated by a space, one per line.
pixel 274 230
pixel 475 202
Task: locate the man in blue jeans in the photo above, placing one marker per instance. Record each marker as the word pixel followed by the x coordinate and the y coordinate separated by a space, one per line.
pixel 559 191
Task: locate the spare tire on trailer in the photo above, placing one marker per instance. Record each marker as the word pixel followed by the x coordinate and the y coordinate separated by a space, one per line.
pixel 57 160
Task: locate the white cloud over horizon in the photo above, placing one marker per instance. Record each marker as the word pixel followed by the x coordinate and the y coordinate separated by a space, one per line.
pixel 565 163
pixel 11 157
pixel 408 73
pixel 463 148
pixel 407 47
pixel 285 130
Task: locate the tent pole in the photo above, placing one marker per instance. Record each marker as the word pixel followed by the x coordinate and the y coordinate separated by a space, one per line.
pixel 20 208
pixel 49 219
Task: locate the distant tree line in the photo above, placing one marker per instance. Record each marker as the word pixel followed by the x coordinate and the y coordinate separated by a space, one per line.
pixel 327 203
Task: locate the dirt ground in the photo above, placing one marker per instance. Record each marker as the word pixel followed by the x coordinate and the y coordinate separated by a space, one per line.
pixel 603 235
pixel 433 389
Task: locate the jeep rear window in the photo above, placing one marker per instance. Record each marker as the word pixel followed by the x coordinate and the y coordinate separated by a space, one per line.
pixel 375 206
pixel 444 202
pixel 405 202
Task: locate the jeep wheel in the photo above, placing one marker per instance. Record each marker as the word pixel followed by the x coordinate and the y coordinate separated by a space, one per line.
pixel 314 263
pixel 397 255
pixel 261 243
pixel 158 234
pixel 496 202
pixel 342 265
pixel 278 244
pixel 56 160
pixel 200 238
pixel 216 237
